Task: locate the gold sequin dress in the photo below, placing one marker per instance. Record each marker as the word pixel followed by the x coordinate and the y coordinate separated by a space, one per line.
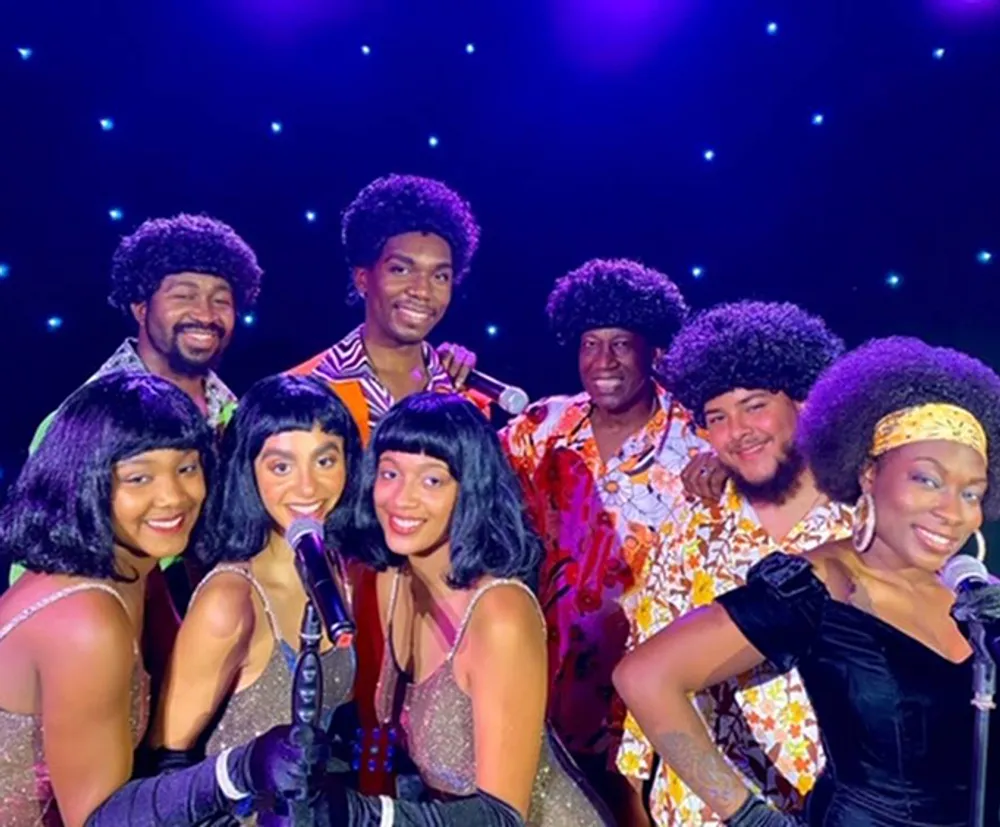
pixel 26 797
pixel 436 719
pixel 267 702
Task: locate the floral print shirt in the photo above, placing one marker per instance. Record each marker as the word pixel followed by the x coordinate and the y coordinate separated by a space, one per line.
pixel 763 722
pixel 599 521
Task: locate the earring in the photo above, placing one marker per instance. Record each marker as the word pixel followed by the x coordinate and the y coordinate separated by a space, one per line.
pixel 864 523
pixel 980 546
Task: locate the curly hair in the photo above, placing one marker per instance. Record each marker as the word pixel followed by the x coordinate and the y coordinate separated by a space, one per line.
pixel 398 204
pixel 753 345
pixel 616 293
pixel 490 531
pixel 837 424
pixel 274 405
pixel 57 519
pixel 182 244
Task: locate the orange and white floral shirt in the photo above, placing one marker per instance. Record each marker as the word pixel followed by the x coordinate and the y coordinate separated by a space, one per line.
pixel 763 723
pixel 599 523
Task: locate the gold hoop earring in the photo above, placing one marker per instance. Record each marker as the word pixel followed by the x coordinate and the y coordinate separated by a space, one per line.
pixel 864 523
pixel 980 546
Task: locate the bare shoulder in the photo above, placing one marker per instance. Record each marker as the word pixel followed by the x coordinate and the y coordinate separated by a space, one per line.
pixel 507 615
pixel 832 563
pixel 89 627
pixel 223 607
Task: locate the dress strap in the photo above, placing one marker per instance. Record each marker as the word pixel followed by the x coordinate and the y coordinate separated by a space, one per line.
pixel 244 572
pixel 507 581
pixel 55 597
pixel 393 595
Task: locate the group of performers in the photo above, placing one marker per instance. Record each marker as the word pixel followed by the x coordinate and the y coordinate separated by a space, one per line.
pixel 703 591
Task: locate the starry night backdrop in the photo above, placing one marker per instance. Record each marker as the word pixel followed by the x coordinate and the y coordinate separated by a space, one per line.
pixel 842 155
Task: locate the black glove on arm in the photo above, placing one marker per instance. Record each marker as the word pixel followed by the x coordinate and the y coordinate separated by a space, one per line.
pixel 347 808
pixel 755 813
pixel 980 605
pixel 270 764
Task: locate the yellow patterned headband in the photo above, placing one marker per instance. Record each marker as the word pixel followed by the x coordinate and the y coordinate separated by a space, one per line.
pixel 923 423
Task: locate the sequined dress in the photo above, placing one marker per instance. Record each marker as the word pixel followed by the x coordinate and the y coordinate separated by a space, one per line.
pixel 266 703
pixel 436 719
pixel 26 797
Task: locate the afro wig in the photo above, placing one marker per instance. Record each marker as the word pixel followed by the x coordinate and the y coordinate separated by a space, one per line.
pixel 751 345
pixel 182 244
pixel 616 293
pixel 400 204
pixel 838 421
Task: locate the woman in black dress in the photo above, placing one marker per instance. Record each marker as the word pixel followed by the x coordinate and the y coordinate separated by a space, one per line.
pixel 912 433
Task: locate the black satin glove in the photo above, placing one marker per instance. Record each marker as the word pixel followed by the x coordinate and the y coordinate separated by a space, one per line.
pixel 980 605
pixel 286 762
pixel 755 813
pixel 345 807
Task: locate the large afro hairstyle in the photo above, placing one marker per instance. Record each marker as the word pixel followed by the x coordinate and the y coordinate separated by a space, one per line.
pixel 182 244
pixel 398 204
pixel 837 424
pixel 616 293
pixel 754 345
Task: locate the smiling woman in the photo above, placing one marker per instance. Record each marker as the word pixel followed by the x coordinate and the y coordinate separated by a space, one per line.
pixel 291 450
pixel 465 673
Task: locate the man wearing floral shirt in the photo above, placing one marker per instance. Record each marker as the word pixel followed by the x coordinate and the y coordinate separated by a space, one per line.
pixel 743 370
pixel 601 474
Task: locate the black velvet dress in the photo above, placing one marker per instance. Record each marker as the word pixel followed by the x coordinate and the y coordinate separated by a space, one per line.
pixel 895 716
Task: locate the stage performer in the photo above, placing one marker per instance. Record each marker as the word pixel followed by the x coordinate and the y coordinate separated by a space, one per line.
pixel 912 434
pixel 117 485
pixel 743 370
pixel 601 474
pixel 442 518
pixel 291 450
pixel 409 242
pixel 183 280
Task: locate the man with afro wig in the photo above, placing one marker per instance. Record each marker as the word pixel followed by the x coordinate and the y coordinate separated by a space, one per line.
pixel 409 243
pixel 601 473
pixel 183 280
pixel 743 370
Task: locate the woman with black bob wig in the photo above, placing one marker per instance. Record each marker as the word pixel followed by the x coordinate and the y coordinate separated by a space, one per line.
pixel 910 434
pixel 117 486
pixel 440 515
pixel 291 452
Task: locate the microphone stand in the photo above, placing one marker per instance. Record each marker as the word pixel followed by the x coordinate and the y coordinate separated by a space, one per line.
pixel 307 705
pixel 984 678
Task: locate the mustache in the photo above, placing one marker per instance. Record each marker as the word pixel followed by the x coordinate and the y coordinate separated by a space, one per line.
pixel 201 328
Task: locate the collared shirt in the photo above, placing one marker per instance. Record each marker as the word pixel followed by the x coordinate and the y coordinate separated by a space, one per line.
pixel 763 723
pixel 348 360
pixel 599 523
pixel 221 401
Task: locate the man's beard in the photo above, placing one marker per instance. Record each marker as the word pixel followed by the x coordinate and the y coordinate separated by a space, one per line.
pixel 781 485
pixel 181 364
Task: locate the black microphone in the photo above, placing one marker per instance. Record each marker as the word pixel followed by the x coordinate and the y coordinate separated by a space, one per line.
pixel 305 536
pixel 511 399
pixel 963 573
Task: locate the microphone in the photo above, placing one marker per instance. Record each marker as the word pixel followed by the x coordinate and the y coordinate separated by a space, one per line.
pixel 963 573
pixel 511 399
pixel 305 536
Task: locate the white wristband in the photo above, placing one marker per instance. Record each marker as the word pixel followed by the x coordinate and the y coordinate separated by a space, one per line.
pixel 223 779
pixel 388 818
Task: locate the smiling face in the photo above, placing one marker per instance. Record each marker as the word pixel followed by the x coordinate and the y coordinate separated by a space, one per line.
pixel 928 500
pixel 188 321
pixel 300 474
pixel 156 498
pixel 615 368
pixel 414 497
pixel 408 289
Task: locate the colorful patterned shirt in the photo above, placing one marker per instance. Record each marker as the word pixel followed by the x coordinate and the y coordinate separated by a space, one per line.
pixel 599 523
pixel 348 360
pixel 763 723
pixel 220 400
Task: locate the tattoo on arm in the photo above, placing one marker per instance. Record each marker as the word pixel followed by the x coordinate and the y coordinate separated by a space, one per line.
pixel 701 766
